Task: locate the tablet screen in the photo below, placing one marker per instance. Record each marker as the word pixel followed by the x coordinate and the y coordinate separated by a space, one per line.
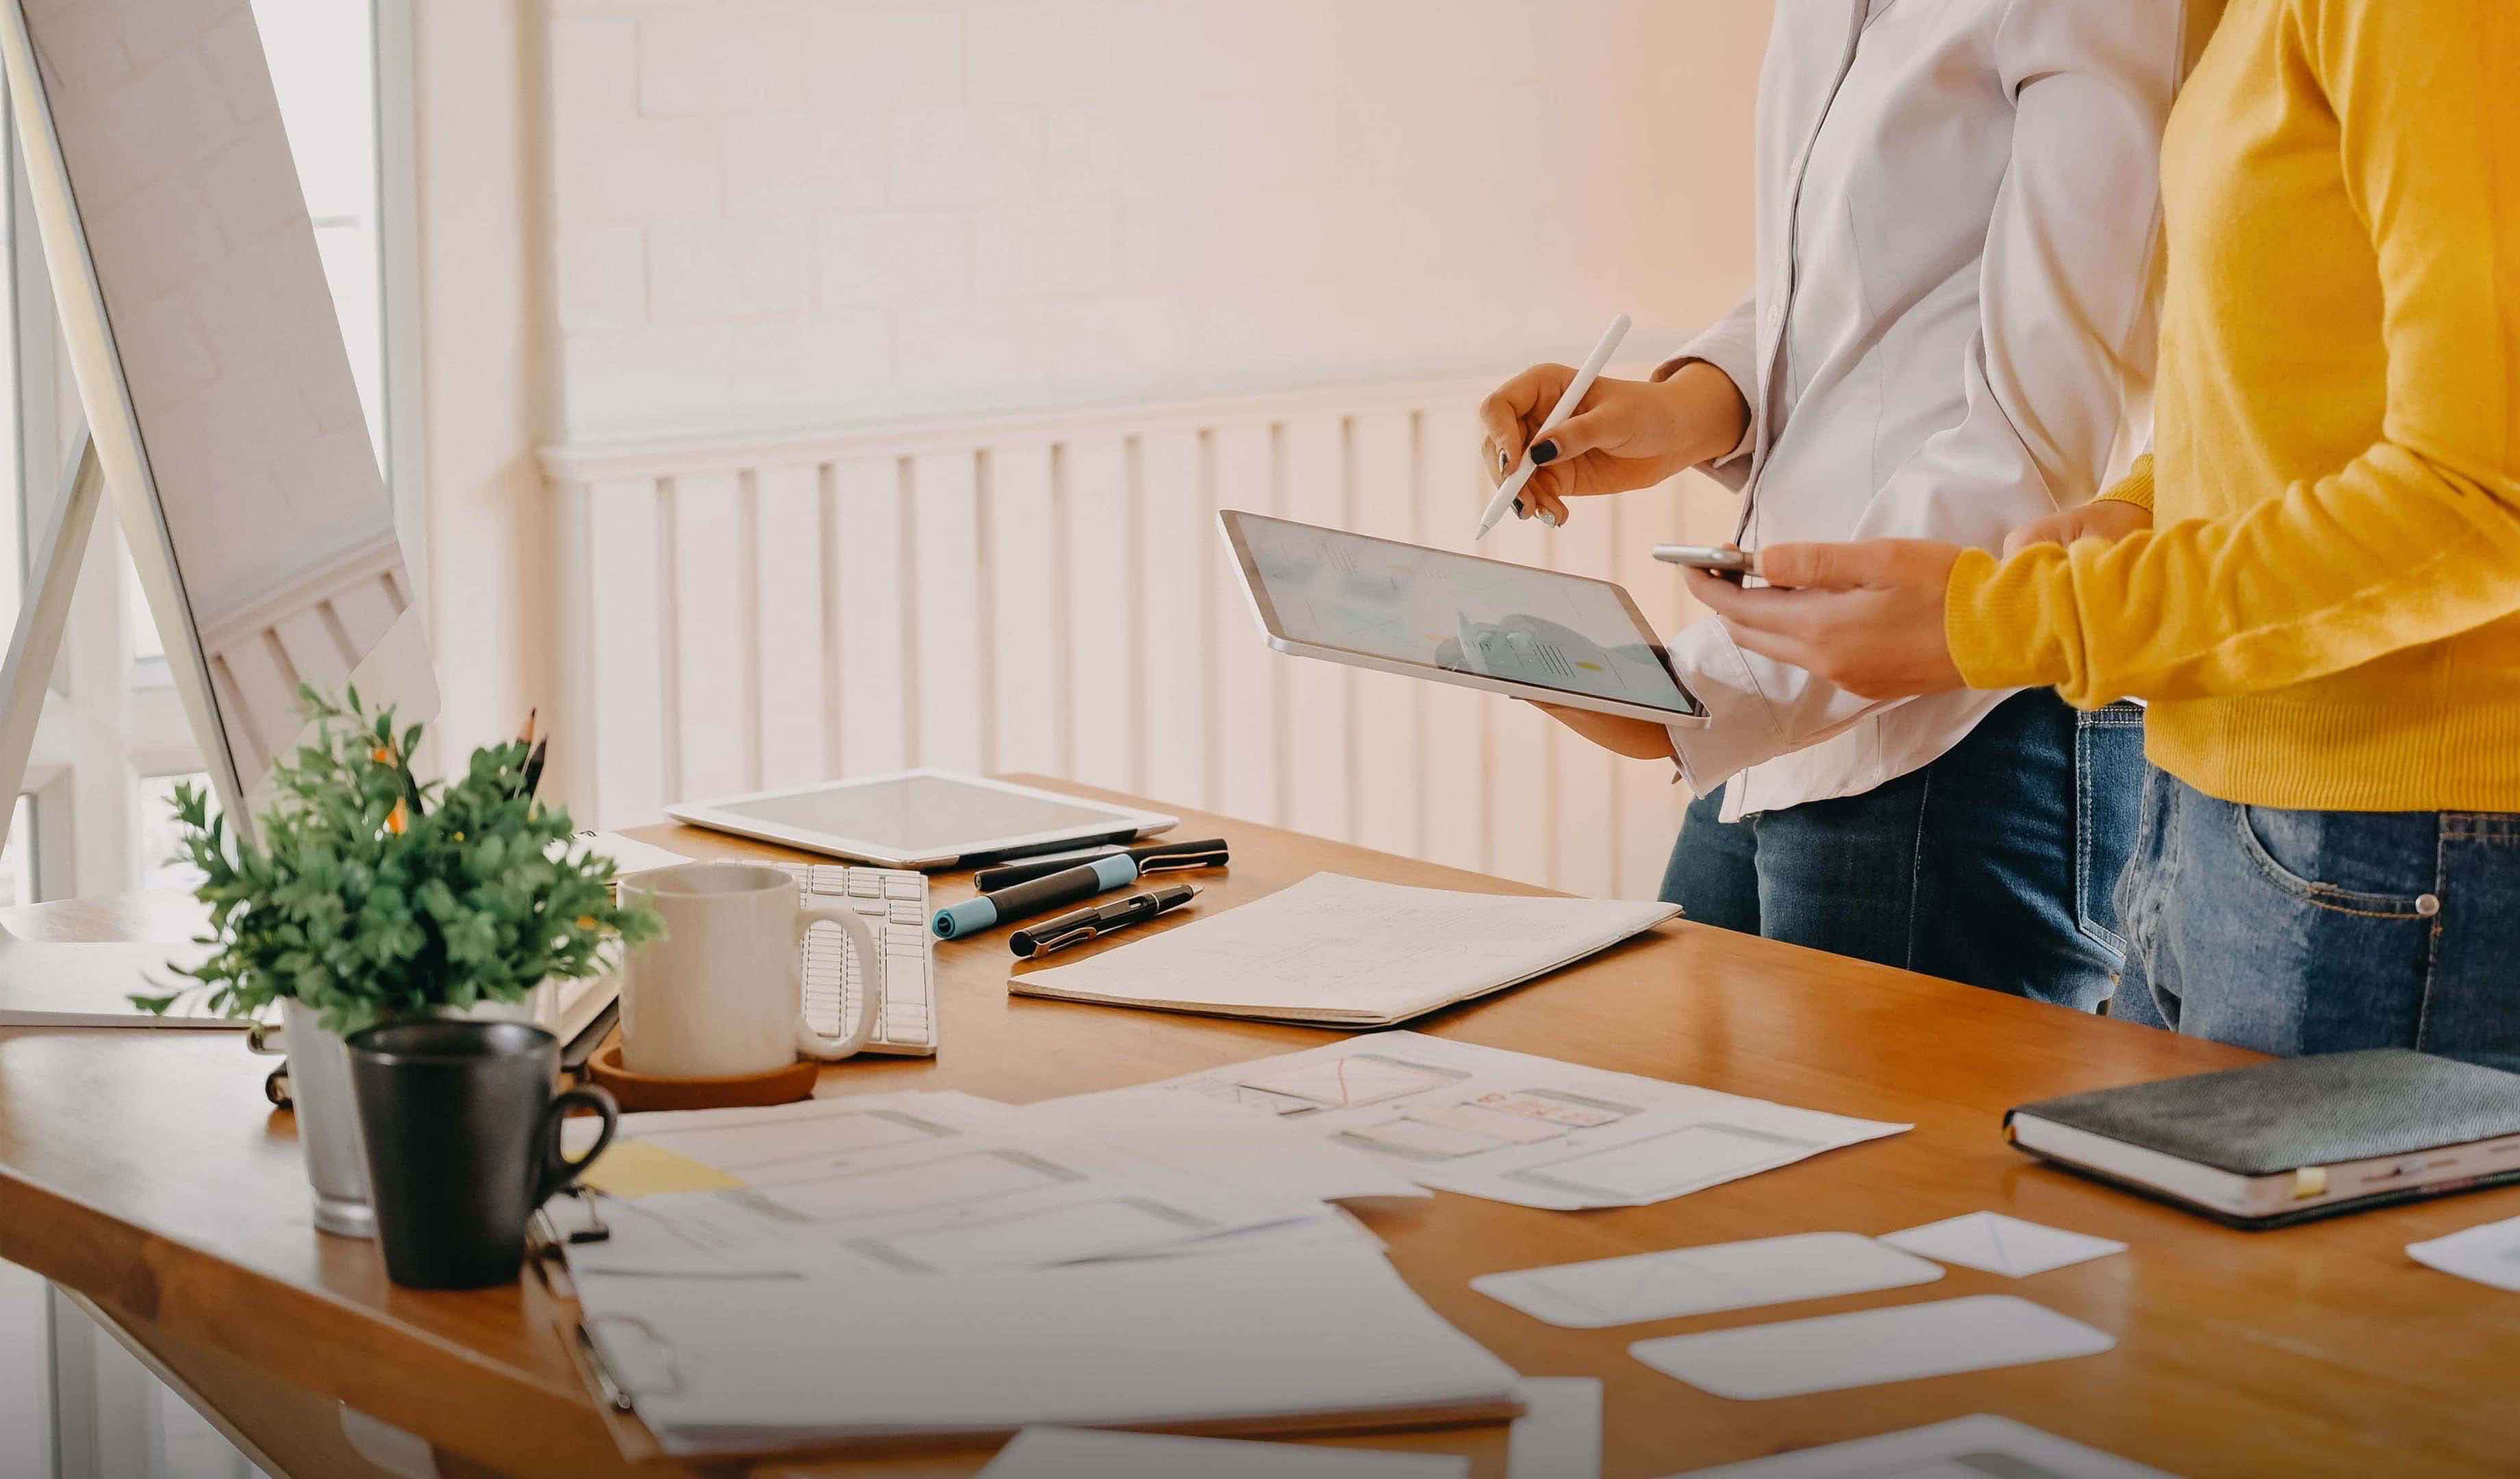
pixel 914 816
pixel 1377 596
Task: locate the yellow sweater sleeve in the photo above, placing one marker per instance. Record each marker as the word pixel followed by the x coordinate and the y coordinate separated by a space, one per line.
pixel 2414 540
pixel 2136 487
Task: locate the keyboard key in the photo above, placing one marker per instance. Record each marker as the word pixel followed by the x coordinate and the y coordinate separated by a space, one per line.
pixel 865 886
pixel 908 914
pixel 899 887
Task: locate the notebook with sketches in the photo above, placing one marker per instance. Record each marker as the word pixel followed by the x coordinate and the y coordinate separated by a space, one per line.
pixel 1339 952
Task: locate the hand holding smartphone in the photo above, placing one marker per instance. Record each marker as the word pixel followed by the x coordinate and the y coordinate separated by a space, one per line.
pixel 1724 561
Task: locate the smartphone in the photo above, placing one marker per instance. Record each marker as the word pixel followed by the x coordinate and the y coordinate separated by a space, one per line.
pixel 1725 562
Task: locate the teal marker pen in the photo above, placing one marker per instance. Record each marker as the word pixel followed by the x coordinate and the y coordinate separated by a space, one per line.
pixel 1024 900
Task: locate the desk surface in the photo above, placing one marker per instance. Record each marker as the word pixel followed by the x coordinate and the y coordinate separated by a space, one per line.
pixel 143 1170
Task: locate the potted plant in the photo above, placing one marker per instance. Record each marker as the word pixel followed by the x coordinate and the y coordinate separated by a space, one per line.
pixel 369 896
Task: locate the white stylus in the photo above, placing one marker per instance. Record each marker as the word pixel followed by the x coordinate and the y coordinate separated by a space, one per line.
pixel 1576 389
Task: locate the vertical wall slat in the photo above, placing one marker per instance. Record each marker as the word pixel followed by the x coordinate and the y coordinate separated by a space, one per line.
pixel 1101 630
pixel 1387 765
pixel 1587 816
pixel 787 562
pixel 1320 739
pixel 1023 600
pixel 710 569
pixel 1176 617
pixel 873 676
pixel 625 655
pixel 953 666
pixel 1250 678
pixel 1457 721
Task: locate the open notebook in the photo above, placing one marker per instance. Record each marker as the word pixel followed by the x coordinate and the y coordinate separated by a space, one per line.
pixel 1342 952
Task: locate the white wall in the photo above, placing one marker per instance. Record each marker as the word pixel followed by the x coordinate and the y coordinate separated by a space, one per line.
pixel 775 213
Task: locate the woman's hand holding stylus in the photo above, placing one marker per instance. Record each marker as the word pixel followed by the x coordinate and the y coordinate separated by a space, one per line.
pixel 1627 434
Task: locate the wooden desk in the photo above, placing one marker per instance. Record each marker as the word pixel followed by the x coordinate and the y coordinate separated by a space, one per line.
pixel 144 1171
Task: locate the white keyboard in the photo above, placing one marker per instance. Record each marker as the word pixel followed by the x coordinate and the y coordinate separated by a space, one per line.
pixel 894 902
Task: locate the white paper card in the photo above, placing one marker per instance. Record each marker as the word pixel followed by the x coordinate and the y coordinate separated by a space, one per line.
pixel 1702 1281
pixel 1558 1435
pixel 2490 1254
pixel 1049 1452
pixel 2001 1244
pixel 1902 1343
pixel 1966 1448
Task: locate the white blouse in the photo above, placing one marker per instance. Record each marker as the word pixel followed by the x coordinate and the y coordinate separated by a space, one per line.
pixel 1950 332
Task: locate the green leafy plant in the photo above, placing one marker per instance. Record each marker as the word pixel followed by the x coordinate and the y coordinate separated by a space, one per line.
pixel 369 896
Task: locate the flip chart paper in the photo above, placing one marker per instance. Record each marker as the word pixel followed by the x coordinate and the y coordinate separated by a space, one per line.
pixel 1982 1446
pixel 1902 1343
pixel 2000 1244
pixel 1706 1279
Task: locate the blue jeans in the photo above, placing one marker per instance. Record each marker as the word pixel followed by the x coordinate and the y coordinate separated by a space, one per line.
pixel 1994 864
pixel 2321 931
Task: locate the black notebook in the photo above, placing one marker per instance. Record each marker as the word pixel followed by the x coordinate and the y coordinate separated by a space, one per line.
pixel 2286 1141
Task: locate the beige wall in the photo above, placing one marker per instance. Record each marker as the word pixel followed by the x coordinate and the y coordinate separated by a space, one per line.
pixel 769 213
pixel 649 221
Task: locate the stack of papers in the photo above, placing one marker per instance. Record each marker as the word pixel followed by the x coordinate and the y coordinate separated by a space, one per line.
pixel 1531 1131
pixel 935 1263
pixel 1343 952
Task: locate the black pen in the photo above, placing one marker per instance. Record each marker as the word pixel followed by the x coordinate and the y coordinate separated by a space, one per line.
pixel 1086 923
pixel 1153 857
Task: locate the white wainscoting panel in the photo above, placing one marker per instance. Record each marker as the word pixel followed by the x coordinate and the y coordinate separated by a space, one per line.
pixel 1049 594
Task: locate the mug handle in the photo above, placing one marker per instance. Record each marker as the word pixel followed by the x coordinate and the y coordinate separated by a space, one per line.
pixel 559 1171
pixel 815 1045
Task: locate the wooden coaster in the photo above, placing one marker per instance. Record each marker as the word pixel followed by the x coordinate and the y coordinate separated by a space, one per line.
pixel 640 1091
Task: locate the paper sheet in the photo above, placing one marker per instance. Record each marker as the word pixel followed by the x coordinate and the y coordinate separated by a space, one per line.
pixel 1558 1435
pixel 1833 1351
pixel 742 1361
pixel 1706 1279
pixel 2000 1244
pixel 1611 1140
pixel 629 854
pixel 632 1169
pixel 1347 951
pixel 1967 1448
pixel 914 1183
pixel 2488 1254
pixel 1048 1453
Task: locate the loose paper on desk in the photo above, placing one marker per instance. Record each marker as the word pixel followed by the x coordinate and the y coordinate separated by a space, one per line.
pixel 1706 1279
pixel 1964 1447
pixel 1532 1130
pixel 2490 1254
pixel 947 1184
pixel 2001 1244
pixel 1345 952
pixel 1829 1353
pixel 1560 1432
pixel 728 1363
pixel 1054 1453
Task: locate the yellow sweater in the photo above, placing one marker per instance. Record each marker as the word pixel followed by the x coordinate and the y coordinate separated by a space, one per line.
pixel 2326 611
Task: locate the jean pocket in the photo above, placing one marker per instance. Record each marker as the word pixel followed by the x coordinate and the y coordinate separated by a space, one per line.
pixel 2268 835
pixel 2109 812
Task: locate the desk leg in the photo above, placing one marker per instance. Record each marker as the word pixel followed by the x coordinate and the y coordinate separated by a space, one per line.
pixel 286 1430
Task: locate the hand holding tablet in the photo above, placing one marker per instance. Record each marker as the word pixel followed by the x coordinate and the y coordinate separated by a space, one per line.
pixel 1489 625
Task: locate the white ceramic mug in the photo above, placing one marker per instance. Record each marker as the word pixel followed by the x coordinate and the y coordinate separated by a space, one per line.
pixel 723 994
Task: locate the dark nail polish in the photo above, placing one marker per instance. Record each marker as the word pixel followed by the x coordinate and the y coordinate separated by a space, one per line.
pixel 1543 453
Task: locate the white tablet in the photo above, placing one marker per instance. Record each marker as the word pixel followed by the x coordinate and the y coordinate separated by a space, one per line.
pixel 921 818
pixel 1455 618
